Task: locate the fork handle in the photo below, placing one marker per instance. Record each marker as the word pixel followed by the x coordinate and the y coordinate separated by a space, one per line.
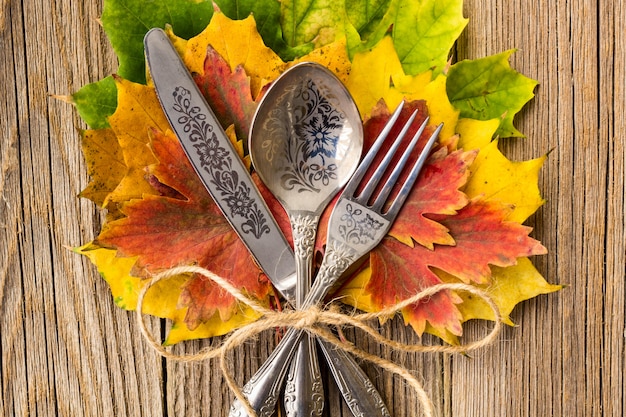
pixel 355 386
pixel 337 259
pixel 264 388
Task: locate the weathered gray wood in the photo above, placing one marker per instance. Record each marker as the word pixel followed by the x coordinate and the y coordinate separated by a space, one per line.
pixel 67 350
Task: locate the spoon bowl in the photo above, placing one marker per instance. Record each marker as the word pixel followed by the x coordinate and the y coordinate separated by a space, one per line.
pixel 307 137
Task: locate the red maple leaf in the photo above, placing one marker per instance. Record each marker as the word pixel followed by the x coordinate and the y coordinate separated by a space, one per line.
pixel 482 236
pixel 397 274
pixel 436 192
pixel 184 226
pixel 228 93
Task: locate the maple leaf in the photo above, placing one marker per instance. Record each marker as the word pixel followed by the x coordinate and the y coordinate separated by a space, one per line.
pixel 476 134
pixel 116 270
pixel 483 238
pixel 425 31
pixel 393 260
pixel 163 232
pixel 105 164
pixel 378 74
pixel 161 301
pixel 369 19
pixel 489 88
pixel 311 21
pixel 267 15
pixel 138 111
pixel 228 92
pixel 246 49
pixel 508 287
pixel 95 102
pixel 515 185
pixel 126 21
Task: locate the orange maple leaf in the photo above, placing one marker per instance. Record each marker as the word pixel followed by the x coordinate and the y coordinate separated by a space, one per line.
pixel 166 230
pixel 228 92
pixel 483 238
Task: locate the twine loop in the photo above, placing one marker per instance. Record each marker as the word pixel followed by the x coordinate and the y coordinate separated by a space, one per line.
pixel 310 320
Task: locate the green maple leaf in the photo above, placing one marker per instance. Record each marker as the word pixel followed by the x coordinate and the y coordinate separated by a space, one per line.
pixel 489 88
pixel 423 31
pixel 367 16
pixel 95 102
pixel 127 21
pixel 311 21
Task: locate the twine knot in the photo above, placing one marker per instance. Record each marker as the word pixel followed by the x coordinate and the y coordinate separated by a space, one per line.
pixel 309 320
pixel 302 319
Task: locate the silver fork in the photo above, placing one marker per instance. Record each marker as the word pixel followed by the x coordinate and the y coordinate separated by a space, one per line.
pixel 355 228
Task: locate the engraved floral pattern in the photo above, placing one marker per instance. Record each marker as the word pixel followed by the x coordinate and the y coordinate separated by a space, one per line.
pixel 358 228
pixel 312 124
pixel 215 160
pixel 304 229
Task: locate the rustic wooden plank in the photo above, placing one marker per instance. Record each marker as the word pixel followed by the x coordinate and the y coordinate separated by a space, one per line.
pixel 612 83
pixel 563 117
pixel 14 398
pixel 58 321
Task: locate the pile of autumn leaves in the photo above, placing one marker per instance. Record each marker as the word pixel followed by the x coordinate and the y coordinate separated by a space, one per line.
pixel 462 223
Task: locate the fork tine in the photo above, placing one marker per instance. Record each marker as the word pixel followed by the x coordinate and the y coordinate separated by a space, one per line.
pixel 371 185
pixel 397 204
pixel 351 187
pixel 382 196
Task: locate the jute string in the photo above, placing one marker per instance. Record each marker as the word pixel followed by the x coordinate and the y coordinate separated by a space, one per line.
pixel 308 320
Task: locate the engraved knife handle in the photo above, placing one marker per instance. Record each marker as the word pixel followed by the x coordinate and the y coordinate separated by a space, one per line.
pixel 265 386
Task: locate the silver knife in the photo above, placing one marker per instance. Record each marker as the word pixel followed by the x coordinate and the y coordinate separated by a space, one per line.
pixel 217 163
pixel 228 181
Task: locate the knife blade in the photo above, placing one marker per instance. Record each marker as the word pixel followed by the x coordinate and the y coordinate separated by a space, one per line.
pixel 217 163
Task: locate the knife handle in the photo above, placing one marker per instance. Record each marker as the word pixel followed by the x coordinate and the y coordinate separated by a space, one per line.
pixel 264 388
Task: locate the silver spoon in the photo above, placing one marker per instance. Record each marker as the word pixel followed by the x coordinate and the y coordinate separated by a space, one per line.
pixel 305 144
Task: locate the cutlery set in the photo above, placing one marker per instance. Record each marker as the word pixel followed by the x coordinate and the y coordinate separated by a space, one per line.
pixel 305 144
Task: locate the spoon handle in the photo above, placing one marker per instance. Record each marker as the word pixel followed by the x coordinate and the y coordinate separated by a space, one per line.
pixel 304 392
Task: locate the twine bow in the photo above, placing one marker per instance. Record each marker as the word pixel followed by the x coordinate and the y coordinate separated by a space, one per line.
pixel 308 320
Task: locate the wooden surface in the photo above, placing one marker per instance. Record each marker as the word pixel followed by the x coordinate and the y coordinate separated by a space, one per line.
pixel 68 351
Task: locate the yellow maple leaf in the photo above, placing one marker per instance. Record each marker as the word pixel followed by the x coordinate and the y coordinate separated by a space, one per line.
pixel 377 73
pixel 105 164
pixel 333 56
pixel 369 80
pixel 116 271
pixel 476 134
pixel 496 178
pixel 508 287
pixel 246 48
pixel 138 111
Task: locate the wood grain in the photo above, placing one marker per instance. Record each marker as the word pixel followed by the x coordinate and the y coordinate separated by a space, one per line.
pixel 68 351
